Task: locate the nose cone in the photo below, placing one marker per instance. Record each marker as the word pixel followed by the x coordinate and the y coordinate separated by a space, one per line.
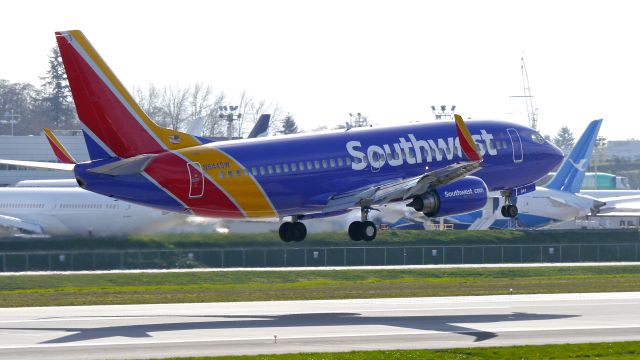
pixel 555 155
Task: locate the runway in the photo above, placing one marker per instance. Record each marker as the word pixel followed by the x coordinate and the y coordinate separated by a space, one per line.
pixel 146 331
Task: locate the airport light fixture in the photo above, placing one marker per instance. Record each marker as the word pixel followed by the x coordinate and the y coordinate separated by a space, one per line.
pixel 443 113
pixel 230 114
pixel 10 118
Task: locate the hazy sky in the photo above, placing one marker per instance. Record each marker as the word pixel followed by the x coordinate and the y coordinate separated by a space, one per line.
pixel 390 60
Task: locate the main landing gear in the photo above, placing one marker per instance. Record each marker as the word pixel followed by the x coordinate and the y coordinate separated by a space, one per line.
pixel 363 230
pixel 508 210
pixel 292 230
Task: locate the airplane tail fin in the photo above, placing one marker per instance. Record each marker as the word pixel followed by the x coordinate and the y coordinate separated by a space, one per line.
pixel 570 176
pixel 467 144
pixel 58 149
pixel 261 128
pixel 113 119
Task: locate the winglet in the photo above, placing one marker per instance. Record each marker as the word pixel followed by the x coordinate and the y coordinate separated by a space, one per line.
pixel 467 144
pixel 61 153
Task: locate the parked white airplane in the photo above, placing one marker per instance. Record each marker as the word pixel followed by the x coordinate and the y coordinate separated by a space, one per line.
pixel 68 210
pixel 60 207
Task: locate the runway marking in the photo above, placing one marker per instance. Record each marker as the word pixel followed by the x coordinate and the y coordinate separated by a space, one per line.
pixel 269 339
pixel 325 268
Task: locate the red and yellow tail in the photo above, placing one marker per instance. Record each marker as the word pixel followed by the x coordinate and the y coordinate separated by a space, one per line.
pixel 58 149
pixel 106 107
pixel 467 144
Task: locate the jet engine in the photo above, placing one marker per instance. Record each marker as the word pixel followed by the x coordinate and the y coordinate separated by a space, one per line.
pixel 462 196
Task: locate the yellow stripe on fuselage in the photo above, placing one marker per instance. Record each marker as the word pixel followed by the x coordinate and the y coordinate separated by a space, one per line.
pixel 244 190
pixel 163 134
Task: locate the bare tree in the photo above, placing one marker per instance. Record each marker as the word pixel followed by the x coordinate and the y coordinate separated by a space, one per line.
pixel 151 102
pixel 214 126
pixel 175 104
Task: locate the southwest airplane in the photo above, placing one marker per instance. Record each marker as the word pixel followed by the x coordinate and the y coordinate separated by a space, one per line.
pixel 428 166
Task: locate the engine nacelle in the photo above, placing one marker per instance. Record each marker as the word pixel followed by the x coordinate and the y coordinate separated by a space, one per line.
pixel 465 195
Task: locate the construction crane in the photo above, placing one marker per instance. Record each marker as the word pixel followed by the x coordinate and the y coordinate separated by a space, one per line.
pixel 532 111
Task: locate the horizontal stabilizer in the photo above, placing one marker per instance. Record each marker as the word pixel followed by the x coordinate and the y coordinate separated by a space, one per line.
pixel 39 164
pixel 134 165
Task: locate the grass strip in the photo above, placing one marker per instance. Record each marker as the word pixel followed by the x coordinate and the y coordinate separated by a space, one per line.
pixel 184 287
pixel 329 239
pixel 603 351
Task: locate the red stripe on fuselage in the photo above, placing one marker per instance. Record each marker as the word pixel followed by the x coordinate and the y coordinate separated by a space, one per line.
pixel 101 111
pixel 171 172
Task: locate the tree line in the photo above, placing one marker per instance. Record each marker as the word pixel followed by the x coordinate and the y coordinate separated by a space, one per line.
pixel 26 108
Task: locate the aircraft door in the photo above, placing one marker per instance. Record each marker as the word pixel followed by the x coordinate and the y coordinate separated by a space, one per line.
pixel 196 180
pixel 516 144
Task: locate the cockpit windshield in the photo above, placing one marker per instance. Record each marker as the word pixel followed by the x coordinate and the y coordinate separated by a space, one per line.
pixel 535 136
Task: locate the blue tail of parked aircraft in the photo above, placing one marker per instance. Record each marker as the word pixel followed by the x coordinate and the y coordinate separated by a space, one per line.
pixel 570 176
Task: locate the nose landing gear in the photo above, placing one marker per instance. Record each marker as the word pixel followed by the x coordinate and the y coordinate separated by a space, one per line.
pixel 508 210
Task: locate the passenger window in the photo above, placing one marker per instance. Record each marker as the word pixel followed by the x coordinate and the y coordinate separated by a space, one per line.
pixel 294 167
pixel 309 165
pixel 254 171
pixel 332 163
pixel 348 161
pixel 285 168
pixel 317 164
pixel 278 168
pixel 340 163
pixel 324 164
pixel 230 173
pixel 504 144
pixel 301 165
pixel 221 174
pixel 262 172
pixel 238 173
pixel 270 169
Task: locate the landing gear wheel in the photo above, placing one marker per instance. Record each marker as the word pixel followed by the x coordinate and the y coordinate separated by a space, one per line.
pixel 509 211
pixel 292 231
pixel 355 231
pixel 285 231
pixel 369 231
pixel 298 231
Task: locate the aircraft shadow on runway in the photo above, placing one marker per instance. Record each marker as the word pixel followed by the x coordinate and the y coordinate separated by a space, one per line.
pixel 442 323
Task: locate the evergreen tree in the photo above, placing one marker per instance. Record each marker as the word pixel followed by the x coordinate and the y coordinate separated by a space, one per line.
pixel 289 125
pixel 56 93
pixel 564 140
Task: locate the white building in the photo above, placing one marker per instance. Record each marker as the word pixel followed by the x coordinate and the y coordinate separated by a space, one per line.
pixel 629 149
pixel 36 148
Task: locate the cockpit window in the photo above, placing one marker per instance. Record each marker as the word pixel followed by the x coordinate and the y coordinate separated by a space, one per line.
pixel 537 138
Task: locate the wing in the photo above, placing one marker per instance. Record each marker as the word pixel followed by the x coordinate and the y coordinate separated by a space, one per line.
pixel 20 224
pixel 39 164
pixel 403 189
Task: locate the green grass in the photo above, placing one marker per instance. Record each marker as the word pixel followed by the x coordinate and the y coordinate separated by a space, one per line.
pixel 385 238
pixel 140 288
pixel 604 351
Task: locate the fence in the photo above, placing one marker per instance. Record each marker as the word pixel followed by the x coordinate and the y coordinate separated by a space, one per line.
pixel 329 256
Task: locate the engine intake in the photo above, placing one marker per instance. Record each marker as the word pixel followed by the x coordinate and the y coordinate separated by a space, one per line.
pixel 459 197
